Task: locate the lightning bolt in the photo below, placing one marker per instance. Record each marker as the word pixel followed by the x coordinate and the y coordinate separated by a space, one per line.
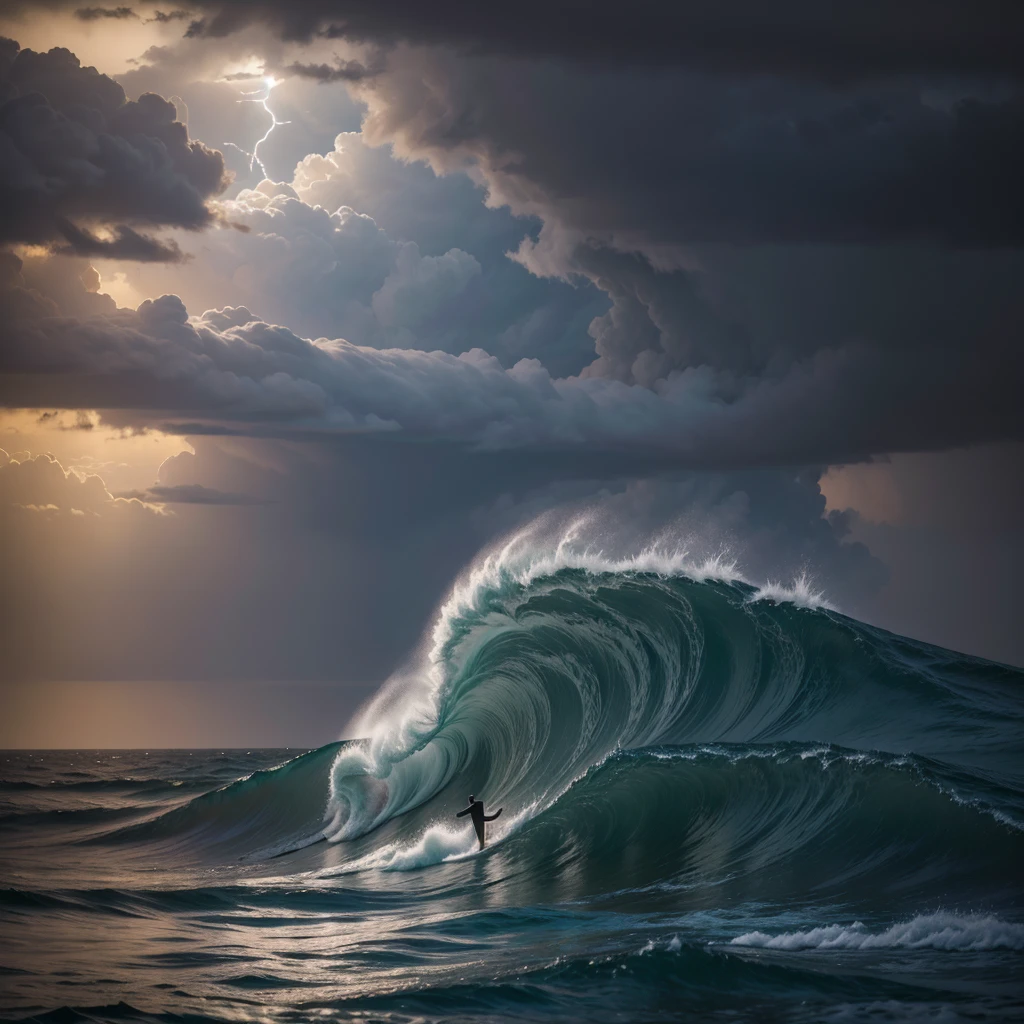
pixel 262 97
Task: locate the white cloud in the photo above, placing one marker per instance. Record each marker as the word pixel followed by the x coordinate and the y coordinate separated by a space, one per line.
pixel 323 273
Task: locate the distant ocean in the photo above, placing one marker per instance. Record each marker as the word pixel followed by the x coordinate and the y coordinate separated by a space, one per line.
pixel 720 804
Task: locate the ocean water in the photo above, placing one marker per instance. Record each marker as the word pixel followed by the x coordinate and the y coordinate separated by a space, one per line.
pixel 720 803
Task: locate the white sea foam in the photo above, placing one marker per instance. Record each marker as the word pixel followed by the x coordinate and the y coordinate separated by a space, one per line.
pixel 437 844
pixel 800 592
pixel 939 930
pixel 672 945
pixel 527 555
pixel 534 552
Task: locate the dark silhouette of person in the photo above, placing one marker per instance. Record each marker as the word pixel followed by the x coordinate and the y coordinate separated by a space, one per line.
pixel 476 809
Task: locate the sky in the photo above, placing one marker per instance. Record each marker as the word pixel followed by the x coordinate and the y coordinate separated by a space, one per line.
pixel 306 304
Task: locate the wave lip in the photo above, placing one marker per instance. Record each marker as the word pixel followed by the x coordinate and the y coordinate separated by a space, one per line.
pixel 939 930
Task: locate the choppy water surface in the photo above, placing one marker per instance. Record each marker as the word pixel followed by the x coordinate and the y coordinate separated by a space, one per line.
pixel 720 803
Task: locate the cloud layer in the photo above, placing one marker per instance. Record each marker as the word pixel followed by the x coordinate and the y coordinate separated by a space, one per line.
pixel 792 36
pixel 228 366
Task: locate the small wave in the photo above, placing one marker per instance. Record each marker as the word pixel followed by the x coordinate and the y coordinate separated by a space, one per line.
pixel 672 945
pixel 940 930
pixel 126 783
pixel 70 816
pixel 262 815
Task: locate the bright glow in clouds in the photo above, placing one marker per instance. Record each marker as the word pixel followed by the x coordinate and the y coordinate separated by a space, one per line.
pixel 126 459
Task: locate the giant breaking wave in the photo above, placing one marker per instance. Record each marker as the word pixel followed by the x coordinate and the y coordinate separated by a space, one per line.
pixel 659 709
pixel 550 667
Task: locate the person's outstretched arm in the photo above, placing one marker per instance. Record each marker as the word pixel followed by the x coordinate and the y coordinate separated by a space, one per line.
pixel 464 811
pixel 491 817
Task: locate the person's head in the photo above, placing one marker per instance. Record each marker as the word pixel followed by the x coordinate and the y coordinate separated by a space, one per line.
pixel 471 800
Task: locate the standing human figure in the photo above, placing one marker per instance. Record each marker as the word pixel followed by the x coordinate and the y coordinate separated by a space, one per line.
pixel 476 809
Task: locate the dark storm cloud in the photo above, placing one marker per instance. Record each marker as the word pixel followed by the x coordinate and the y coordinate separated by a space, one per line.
pixel 663 158
pixel 761 204
pixel 639 179
pixel 165 17
pixel 229 367
pixel 76 155
pixel 795 36
pixel 754 310
pixel 104 13
pixel 341 71
pixel 677 375
pixel 126 244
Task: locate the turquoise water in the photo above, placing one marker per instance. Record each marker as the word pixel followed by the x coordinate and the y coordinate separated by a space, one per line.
pixel 720 803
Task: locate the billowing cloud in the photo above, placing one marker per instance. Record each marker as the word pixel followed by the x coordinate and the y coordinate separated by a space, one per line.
pixel 421 286
pixel 670 190
pixel 324 274
pixel 406 199
pixel 676 374
pixel 83 167
pixel 649 159
pixel 229 366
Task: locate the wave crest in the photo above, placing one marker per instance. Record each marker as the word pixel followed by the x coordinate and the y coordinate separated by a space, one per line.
pixel 940 930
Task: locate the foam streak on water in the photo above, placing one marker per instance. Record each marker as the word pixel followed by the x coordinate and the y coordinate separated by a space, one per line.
pixel 928 931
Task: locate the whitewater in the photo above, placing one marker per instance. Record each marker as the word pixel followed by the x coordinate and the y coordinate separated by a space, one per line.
pixel 722 800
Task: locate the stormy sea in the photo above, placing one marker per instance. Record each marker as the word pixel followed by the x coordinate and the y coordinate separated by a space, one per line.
pixel 720 802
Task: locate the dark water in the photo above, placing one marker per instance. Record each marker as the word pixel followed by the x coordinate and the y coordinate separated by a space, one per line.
pixel 718 804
